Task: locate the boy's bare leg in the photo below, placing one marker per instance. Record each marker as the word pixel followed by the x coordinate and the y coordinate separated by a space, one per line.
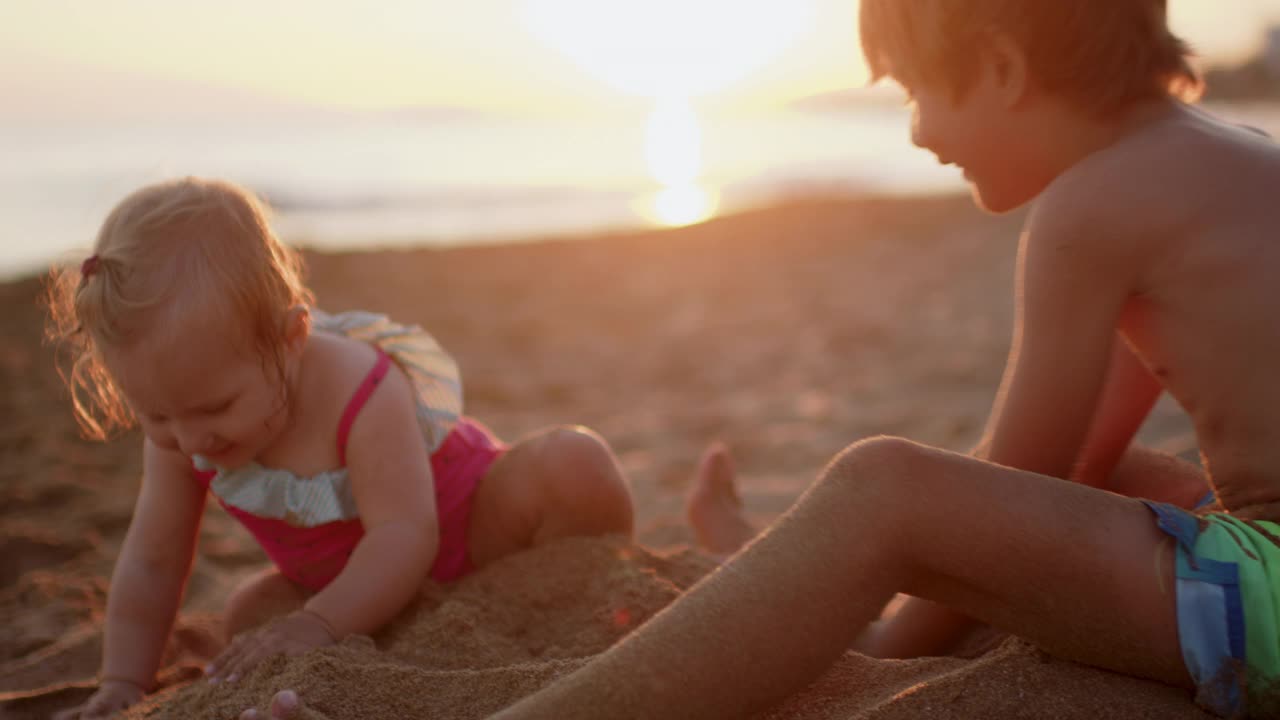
pixel 918 627
pixel 716 515
pixel 1076 570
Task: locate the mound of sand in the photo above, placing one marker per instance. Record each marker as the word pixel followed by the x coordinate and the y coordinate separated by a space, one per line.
pixel 473 648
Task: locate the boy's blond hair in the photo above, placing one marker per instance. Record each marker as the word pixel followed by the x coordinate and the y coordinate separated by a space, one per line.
pixel 166 251
pixel 1100 54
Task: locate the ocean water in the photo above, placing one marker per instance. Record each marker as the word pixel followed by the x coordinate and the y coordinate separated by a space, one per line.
pixel 366 181
pixel 353 181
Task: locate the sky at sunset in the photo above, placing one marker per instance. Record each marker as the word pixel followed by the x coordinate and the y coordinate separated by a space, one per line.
pixel 539 56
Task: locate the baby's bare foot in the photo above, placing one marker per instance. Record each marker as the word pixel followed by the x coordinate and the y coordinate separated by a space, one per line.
pixel 714 508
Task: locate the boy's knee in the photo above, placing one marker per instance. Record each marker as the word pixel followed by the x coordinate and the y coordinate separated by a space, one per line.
pixel 873 458
pixel 881 467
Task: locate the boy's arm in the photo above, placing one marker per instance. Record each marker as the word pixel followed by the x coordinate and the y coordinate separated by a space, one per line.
pixel 1074 278
pixel 1072 284
pixel 920 627
pixel 391 478
pixel 1127 398
pixel 151 572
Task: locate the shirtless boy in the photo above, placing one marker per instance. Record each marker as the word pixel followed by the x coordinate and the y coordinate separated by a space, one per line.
pixel 1149 262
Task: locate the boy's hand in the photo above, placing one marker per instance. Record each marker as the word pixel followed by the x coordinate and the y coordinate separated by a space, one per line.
pixel 292 634
pixel 112 697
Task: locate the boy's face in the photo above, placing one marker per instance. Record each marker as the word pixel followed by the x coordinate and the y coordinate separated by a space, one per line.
pixel 979 133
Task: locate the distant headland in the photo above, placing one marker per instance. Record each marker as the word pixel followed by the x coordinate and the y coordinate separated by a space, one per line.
pixel 1255 79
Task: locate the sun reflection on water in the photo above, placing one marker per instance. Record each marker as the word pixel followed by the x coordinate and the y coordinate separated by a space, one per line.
pixel 676 205
pixel 673 151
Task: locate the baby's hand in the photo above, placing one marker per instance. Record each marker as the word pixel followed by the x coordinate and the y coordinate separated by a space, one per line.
pixel 292 634
pixel 111 697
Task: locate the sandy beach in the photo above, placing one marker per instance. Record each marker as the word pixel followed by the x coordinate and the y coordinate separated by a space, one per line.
pixel 785 332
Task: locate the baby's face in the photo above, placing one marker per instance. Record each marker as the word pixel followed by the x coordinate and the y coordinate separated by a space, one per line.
pixel 201 391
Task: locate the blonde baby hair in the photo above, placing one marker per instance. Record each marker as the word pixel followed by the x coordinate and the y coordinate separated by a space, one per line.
pixel 168 249
pixel 1101 54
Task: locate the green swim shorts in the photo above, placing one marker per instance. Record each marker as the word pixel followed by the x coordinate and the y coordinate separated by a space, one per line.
pixel 1228 598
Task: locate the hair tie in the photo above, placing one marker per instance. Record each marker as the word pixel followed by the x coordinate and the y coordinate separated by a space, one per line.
pixel 90 265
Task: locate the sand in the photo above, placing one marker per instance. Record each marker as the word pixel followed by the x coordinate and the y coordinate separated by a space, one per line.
pixel 785 332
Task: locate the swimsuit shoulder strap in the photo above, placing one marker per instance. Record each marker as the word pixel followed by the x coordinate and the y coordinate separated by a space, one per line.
pixel 358 399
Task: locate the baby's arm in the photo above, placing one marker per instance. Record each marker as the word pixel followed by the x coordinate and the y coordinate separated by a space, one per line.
pixel 391 478
pixel 149 576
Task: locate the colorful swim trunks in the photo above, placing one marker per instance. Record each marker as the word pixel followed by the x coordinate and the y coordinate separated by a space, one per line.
pixel 1228 596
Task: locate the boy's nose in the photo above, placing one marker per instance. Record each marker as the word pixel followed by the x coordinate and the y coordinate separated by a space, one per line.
pixel 917 137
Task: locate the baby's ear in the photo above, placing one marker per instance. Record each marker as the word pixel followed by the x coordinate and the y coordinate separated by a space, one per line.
pixel 297 328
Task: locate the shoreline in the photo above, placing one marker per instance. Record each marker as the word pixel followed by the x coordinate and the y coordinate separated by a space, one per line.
pixel 640 225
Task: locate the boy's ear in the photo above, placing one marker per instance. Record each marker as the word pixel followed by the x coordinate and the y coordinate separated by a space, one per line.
pixel 1007 63
pixel 297 328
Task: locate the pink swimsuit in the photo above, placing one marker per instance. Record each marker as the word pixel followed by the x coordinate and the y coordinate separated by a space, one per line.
pixel 310 526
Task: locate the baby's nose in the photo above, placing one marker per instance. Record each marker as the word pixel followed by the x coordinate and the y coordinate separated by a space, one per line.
pixel 194 440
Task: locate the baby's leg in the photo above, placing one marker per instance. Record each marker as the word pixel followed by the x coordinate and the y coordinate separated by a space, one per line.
pixel 264 596
pixel 1078 571
pixel 558 483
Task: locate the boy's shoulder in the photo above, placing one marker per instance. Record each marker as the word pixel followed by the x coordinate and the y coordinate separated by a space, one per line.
pixel 1175 171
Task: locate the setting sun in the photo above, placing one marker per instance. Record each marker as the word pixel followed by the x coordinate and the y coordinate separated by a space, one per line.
pixel 656 48
pixel 670 51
